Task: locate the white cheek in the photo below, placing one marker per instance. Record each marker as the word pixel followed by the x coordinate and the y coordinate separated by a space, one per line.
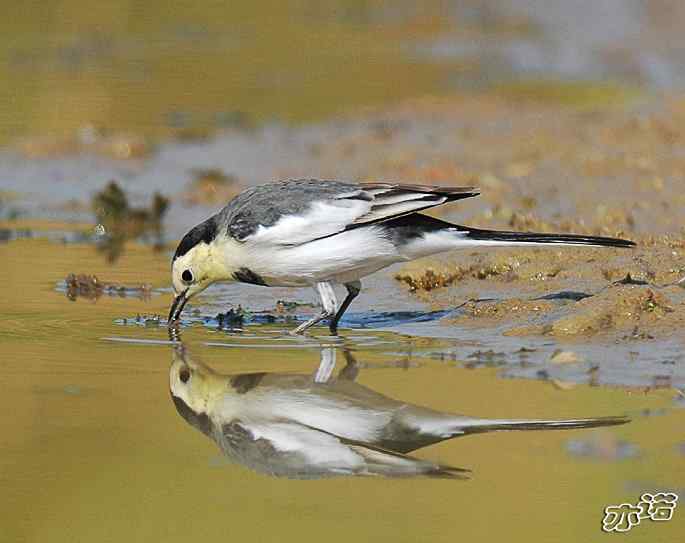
pixel 209 263
pixel 178 286
pixel 175 282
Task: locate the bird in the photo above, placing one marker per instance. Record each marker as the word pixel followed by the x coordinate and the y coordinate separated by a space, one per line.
pixel 323 233
pixel 320 425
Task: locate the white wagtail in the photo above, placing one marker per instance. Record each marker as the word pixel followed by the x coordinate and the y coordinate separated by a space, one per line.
pixel 303 426
pixel 316 233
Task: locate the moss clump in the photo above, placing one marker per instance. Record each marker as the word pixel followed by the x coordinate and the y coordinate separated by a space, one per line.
pixel 429 279
pixel 502 267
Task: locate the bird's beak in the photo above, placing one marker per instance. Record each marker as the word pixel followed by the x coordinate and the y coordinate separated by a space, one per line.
pixel 177 306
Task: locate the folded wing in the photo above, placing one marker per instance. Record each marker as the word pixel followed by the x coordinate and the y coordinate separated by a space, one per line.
pixel 299 211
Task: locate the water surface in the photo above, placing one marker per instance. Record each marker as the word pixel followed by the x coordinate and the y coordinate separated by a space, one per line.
pixel 94 449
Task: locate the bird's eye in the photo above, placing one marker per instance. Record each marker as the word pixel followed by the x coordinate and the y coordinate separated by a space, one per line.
pixel 187 276
pixel 184 375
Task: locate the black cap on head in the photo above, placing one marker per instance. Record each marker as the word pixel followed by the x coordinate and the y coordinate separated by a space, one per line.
pixel 205 231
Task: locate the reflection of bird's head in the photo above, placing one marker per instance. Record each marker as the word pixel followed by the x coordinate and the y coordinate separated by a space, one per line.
pixel 193 386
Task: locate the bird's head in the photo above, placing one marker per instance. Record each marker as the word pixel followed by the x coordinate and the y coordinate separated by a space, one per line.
pixel 199 261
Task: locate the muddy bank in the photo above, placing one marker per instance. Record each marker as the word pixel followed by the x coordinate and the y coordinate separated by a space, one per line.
pixel 564 293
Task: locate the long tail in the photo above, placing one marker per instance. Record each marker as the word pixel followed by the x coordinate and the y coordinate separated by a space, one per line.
pixel 421 235
pixel 489 425
pixel 514 238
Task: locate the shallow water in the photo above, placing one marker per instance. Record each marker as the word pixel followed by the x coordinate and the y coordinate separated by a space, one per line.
pixel 93 448
pixel 184 69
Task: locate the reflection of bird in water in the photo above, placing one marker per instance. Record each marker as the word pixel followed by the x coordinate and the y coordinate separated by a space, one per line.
pixel 304 426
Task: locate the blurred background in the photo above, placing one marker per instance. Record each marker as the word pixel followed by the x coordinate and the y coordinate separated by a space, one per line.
pixel 193 101
pixel 160 68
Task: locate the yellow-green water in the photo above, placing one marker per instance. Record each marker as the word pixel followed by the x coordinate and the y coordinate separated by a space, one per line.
pixel 145 67
pixel 92 448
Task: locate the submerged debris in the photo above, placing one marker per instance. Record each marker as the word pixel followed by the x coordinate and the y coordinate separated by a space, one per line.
pixel 144 320
pixel 488 358
pixel 283 311
pixel 286 307
pixel 233 318
pixel 122 222
pixel 90 287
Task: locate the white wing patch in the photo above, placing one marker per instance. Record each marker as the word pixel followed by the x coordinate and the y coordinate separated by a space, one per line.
pixel 401 205
pixel 370 203
pixel 324 218
pixel 399 198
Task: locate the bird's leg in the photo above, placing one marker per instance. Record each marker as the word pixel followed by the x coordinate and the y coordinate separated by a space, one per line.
pixel 353 290
pixel 329 302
